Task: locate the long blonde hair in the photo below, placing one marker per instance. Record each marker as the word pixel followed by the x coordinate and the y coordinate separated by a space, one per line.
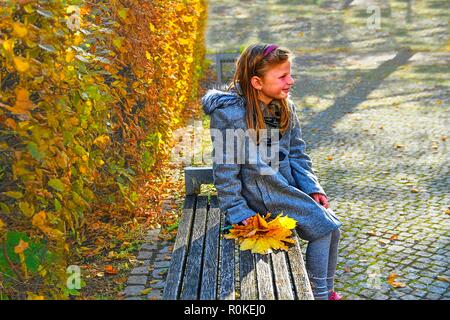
pixel 253 63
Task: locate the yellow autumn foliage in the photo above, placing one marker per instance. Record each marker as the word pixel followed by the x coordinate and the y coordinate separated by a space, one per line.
pixel 262 236
pixel 85 113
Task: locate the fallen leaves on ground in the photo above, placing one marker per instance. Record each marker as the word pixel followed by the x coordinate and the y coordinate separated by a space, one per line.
pixel 261 236
pixel 442 278
pixel 163 272
pixel 120 280
pixel 393 237
pixel 146 291
pixel 393 283
pixel 109 269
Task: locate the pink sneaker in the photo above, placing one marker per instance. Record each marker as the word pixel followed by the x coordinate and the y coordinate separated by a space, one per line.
pixel 334 296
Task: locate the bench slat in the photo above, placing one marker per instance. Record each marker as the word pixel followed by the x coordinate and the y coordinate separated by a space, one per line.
pixel 281 274
pixel 300 278
pixel 192 275
pixel 247 275
pixel 227 274
pixel 211 257
pixel 202 257
pixel 265 280
pixel 175 274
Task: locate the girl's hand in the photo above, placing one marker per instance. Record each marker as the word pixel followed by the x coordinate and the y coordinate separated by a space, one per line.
pixel 320 198
pixel 246 221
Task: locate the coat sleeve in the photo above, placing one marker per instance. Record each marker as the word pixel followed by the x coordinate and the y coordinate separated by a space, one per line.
pixel 300 162
pixel 226 173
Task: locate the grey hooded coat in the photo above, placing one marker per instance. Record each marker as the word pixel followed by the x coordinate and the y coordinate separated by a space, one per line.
pixel 243 190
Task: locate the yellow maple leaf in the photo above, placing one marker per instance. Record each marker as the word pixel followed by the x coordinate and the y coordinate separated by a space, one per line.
pixel 2 224
pixel 262 222
pixel 262 246
pixel 391 280
pixel 274 243
pixel 283 222
pixel 248 244
pixel 261 236
pixel 287 222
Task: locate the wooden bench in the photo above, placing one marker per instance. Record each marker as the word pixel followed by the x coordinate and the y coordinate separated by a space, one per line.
pixel 222 58
pixel 206 266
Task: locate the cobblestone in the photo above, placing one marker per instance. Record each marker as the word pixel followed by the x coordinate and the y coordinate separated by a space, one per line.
pixel 142 280
pixel 420 293
pixel 148 247
pixel 159 273
pixel 159 285
pixel 133 290
pixel 418 285
pixel 133 298
pixel 433 296
pixel 139 270
pixel 162 264
pixel 437 290
pixel 442 284
pixel 147 280
pixel 409 297
pixel 155 295
pixel 145 255
pixel 380 112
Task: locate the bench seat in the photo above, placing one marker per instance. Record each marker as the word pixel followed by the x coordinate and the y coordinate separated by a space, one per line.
pixel 206 266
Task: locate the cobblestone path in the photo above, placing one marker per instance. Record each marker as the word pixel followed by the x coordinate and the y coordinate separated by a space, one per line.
pixel 374 106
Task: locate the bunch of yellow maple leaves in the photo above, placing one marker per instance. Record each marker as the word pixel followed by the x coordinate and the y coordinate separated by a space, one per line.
pixel 261 236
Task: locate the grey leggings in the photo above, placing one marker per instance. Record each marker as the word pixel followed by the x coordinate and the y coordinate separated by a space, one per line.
pixel 321 260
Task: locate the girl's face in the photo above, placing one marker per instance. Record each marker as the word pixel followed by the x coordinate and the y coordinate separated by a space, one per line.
pixel 275 84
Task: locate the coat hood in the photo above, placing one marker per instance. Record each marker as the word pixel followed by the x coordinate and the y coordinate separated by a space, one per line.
pixel 214 99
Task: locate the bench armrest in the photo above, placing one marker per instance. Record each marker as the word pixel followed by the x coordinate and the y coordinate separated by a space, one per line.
pixel 194 177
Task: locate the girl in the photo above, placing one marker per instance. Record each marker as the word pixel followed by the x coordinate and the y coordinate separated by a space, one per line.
pixel 257 100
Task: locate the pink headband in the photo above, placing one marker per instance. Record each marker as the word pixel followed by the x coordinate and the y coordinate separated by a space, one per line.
pixel 269 49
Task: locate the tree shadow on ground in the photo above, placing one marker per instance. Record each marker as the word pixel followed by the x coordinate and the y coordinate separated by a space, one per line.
pixel 358 94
